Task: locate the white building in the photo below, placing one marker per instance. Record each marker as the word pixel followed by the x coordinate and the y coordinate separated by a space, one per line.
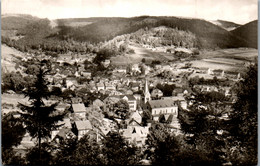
pixel 162 107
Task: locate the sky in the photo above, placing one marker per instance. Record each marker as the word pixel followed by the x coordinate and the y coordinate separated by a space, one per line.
pixel 238 11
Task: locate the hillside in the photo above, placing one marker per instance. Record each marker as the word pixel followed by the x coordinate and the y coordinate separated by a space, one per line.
pixel 41 32
pixel 248 32
pixel 227 25
pixel 208 34
pixel 165 36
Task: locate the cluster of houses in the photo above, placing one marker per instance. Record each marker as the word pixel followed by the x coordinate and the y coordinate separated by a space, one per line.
pixel 136 85
pixel 80 119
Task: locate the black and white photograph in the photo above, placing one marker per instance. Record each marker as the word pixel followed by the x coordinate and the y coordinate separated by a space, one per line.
pixel 129 82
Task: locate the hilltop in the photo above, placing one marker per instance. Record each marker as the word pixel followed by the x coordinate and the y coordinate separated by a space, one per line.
pixel 248 32
pixel 16 21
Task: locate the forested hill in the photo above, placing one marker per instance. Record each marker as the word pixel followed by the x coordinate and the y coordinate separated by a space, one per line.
pixel 100 29
pixel 248 32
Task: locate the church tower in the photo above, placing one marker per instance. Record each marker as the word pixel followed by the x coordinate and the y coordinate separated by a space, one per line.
pixel 147 95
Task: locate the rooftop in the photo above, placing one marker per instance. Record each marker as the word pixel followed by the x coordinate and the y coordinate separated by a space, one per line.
pixel 162 103
pixel 78 108
pixel 83 125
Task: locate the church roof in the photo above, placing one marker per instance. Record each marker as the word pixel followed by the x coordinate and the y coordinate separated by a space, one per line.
pixel 161 103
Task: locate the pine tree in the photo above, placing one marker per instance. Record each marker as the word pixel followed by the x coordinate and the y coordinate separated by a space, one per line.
pixel 40 119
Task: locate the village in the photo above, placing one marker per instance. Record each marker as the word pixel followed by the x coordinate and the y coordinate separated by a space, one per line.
pixel 136 89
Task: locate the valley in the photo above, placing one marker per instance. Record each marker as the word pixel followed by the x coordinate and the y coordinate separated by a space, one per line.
pixel 124 84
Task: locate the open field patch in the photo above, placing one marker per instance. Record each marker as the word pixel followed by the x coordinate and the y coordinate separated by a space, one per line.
pixel 139 54
pixel 77 24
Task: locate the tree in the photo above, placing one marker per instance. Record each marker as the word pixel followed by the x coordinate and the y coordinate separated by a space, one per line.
pixel 12 131
pixel 32 69
pixel 201 124
pixel 162 145
pixel 87 152
pixel 12 135
pixel 121 109
pixel 117 151
pixel 65 151
pixel 40 119
pixel 243 119
pixel 13 81
pixel 56 91
pixel 46 158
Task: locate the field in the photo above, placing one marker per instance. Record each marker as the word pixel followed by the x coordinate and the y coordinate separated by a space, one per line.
pixel 77 24
pixel 139 54
pixel 226 59
pixel 8 57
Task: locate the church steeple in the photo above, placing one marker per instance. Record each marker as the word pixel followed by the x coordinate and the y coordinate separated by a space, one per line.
pixel 147 95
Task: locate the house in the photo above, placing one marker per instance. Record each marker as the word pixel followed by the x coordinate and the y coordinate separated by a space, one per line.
pixel 115 93
pixel 166 67
pixel 64 133
pixel 136 134
pixel 70 85
pixel 129 92
pixel 79 110
pixel 179 98
pixel 120 70
pixel 100 86
pixel 98 103
pixel 135 68
pixel 157 66
pixel 136 117
pixel 86 74
pixel 82 128
pixel 65 124
pixel 210 72
pixel 162 107
pixel 131 101
pixel 146 70
pixel 109 86
pixel 138 97
pixel 77 74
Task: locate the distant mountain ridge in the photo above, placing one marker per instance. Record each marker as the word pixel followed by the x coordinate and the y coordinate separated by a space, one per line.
pixel 98 29
pixel 227 25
